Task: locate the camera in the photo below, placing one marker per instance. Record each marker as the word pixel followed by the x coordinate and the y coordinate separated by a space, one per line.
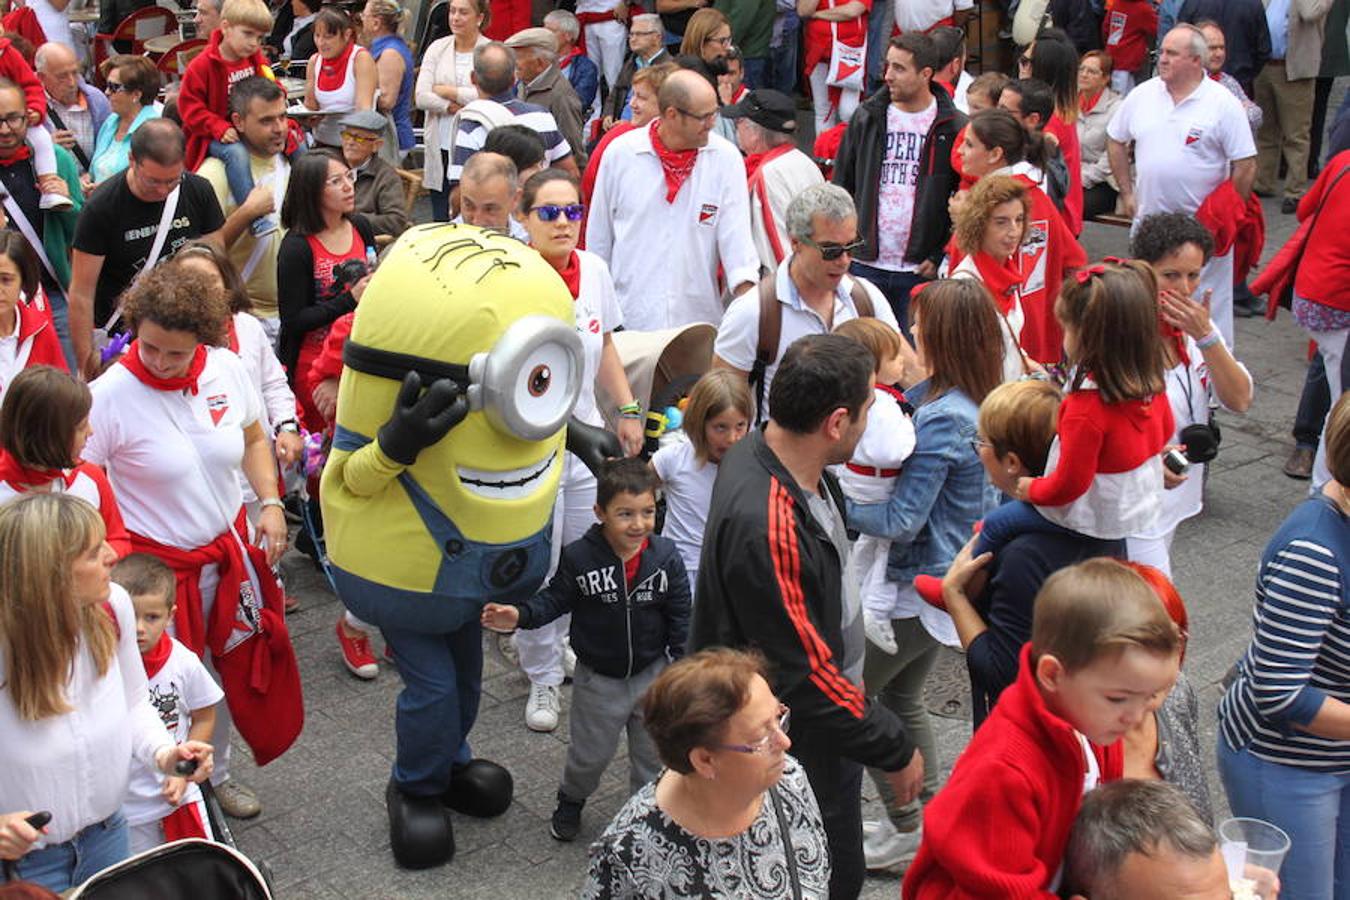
pixel 1201 441
pixel 1175 462
pixel 347 273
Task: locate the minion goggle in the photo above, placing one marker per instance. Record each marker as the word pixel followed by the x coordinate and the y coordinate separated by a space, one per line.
pixel 526 384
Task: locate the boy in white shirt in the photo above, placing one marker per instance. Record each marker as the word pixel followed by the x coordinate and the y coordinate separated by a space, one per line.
pixel 160 808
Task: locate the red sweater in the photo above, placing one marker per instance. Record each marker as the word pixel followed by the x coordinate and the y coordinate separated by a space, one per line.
pixel 999 826
pixel 14 67
pixel 204 97
pixel 328 364
pixel 1067 135
pixel 1049 254
pixel 36 328
pixel 1128 30
pixel 1096 437
pixel 1324 272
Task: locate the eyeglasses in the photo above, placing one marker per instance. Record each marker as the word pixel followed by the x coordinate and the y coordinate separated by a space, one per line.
pixel 549 212
pixel 1024 60
pixel 724 41
pixel 978 443
pixel 831 252
pixel 702 118
pixel 765 743
pixel 167 184
pixel 115 87
pixel 14 120
pixel 348 176
pixel 360 138
pixel 643 33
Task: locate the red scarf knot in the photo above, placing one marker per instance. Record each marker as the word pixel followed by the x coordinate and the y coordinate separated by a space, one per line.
pixel 1086 103
pixel 155 658
pixel 1003 279
pixel 188 382
pixel 333 71
pixel 676 165
pixel 571 274
pixel 23 154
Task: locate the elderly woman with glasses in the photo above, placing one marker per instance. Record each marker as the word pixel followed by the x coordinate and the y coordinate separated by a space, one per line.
pixel 732 815
pixel 133 89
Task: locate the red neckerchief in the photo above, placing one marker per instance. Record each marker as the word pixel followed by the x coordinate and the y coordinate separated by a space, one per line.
pixel 333 71
pixel 755 161
pixel 23 154
pixel 14 473
pixel 740 92
pixel 232 335
pixel 1177 338
pixel 1002 280
pixel 567 60
pixel 1086 103
pixel 630 568
pixel 676 165
pixel 155 658
pixel 571 274
pixel 132 360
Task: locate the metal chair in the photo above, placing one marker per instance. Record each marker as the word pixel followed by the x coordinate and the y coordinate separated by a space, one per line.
pixel 135 29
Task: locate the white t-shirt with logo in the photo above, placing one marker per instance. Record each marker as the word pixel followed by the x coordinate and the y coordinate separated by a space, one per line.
pixel 174 457
pixel 180 686
pixel 900 164
pixel 597 314
pixel 688 486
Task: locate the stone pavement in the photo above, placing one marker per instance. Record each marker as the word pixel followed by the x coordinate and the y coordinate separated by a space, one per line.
pixel 323 831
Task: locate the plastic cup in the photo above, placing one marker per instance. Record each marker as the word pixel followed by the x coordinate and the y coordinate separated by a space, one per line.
pixel 1252 842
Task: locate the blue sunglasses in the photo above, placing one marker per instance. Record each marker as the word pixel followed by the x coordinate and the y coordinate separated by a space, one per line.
pixel 549 212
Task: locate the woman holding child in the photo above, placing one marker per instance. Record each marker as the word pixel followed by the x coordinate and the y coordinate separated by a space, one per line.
pixel 74 708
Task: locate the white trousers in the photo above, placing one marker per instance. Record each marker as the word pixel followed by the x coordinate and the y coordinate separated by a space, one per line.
pixel 573 512
pixel 606 44
pixel 1217 277
pixel 1152 551
pixel 826 117
pixel 1332 346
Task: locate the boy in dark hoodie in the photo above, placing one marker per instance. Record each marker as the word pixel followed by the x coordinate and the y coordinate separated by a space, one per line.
pixel 629 595
pixel 232 55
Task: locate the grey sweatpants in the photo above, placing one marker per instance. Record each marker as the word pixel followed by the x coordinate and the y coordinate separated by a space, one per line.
pixel 602 708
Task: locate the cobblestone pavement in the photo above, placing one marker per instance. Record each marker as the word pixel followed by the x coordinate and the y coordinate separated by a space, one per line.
pixel 323 829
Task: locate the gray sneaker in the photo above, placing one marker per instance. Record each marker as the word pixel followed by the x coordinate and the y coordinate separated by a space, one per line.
pixel 237 801
pixel 888 850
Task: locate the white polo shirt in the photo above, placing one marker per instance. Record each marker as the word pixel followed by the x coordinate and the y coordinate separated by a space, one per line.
pixel 664 256
pixel 738 336
pixel 921 15
pixel 1182 151
pixel 597 314
pixel 174 457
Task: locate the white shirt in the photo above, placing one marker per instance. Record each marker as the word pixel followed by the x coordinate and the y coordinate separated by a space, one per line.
pixel 13 355
pixel 55 22
pixel 738 336
pixel 785 177
pixel 963 83
pixel 597 314
pixel 174 458
pixel 921 15
pixel 688 486
pixel 898 184
pixel 82 486
pixel 664 256
pixel 288 42
pixel 265 371
pixel 886 442
pixel 1182 151
pixel 75 764
pixel 180 686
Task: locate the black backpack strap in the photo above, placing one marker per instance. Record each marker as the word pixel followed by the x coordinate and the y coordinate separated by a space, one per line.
pixel 77 150
pixel 770 331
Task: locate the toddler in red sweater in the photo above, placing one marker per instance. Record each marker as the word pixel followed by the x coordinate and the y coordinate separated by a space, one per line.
pixel 14 67
pixel 1102 648
pixel 1129 28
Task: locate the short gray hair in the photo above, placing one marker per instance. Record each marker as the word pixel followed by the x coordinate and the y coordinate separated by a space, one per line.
pixel 45 52
pixel 484 166
pixel 1199 46
pixel 494 67
pixel 1127 817
pixel 565 22
pixel 646 19
pixel 770 137
pixel 828 200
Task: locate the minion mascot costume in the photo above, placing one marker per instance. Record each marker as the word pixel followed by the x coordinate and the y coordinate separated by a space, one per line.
pixel 458 382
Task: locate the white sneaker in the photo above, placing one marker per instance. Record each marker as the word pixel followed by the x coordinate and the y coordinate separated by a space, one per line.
pixel 55 202
pixel 886 849
pixel 541 710
pixel 879 632
pixel 871 826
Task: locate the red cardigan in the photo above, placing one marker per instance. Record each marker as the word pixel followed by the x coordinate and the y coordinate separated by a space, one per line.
pixel 1067 135
pixel 1049 254
pixel 1324 272
pixel 999 826
pixel 204 98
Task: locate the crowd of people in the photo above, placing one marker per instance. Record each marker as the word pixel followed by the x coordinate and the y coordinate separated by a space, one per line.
pixel 927 419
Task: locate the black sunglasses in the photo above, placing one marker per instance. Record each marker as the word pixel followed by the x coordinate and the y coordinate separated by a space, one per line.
pixel 831 252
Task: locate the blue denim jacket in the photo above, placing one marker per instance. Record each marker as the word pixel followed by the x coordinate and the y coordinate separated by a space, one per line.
pixel 941 493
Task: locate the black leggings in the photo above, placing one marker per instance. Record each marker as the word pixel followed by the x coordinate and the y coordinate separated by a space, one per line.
pixel 1099 199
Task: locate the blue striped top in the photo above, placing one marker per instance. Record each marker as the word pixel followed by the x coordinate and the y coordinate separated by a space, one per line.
pixel 1300 649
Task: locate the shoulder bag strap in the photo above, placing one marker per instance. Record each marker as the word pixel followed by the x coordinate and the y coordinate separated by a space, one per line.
pixel 770 330
pixel 16 215
pixel 862 301
pixel 263 244
pixel 156 248
pixel 61 125
pixel 787 843
pixel 1318 212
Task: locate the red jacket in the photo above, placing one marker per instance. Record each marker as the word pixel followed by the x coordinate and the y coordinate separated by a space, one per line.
pixel 204 98
pixel 1128 30
pixel 1067 135
pixel 999 826
pixel 14 67
pixel 1049 254
pixel 328 364
pixel 506 18
pixel 37 330
pixel 1324 273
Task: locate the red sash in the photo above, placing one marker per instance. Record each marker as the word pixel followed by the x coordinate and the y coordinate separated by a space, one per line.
pixel 754 168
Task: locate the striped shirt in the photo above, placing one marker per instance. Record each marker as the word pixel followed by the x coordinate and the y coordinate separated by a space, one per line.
pixel 471 136
pixel 1300 649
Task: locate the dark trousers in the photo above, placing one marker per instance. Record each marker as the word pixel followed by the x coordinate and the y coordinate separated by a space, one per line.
pixel 1315 402
pixel 837 784
pixel 895 286
pixel 1321 100
pixel 756 71
pixel 440 200
pixel 1099 200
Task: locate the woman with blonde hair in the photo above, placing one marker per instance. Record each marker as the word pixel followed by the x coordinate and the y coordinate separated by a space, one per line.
pixel 991 228
pixel 707 41
pixel 380 20
pixel 74 707
pixel 444 88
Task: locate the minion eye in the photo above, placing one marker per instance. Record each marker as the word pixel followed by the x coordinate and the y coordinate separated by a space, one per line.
pixel 530 380
pixel 540 378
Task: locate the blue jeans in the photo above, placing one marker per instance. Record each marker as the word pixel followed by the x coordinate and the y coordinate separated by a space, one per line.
pixel 63 866
pixel 880 24
pixel 755 71
pixel 238 172
pixel 442 680
pixel 895 286
pixel 1312 807
pixel 1315 401
pixel 440 200
pixel 783 74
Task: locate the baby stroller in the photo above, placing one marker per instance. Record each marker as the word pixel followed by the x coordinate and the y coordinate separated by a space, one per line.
pixel 203 870
pixel 662 368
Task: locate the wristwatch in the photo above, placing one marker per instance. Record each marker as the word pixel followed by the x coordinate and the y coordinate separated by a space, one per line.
pixel 272 501
pixel 290 426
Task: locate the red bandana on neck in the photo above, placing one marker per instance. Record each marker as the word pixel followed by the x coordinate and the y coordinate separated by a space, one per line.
pixel 1086 103
pixel 232 335
pixel 132 360
pixel 676 165
pixel 571 274
pixel 1002 279
pixel 17 475
pixel 567 60
pixel 1177 338
pixel 333 71
pixel 155 658
pixel 23 154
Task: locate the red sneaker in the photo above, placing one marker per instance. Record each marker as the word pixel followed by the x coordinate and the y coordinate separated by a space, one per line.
pixel 291 603
pixel 356 654
pixel 929 588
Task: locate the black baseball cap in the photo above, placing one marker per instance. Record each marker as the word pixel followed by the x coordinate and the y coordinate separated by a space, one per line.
pixel 772 109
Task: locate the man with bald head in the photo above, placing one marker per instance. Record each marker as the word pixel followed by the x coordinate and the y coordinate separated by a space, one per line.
pixel 75 109
pixel 489 190
pixel 674 192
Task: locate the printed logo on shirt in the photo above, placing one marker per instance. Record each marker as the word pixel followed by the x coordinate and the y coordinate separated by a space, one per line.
pixel 166 703
pixel 1117 33
pixel 900 164
pixel 1033 255
pixel 140 234
pixel 217 405
pixel 593 326
pixel 247 616
pixel 707 215
pixel 1194 135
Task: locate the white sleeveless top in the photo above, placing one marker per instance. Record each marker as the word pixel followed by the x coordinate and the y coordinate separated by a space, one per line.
pixel 342 99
